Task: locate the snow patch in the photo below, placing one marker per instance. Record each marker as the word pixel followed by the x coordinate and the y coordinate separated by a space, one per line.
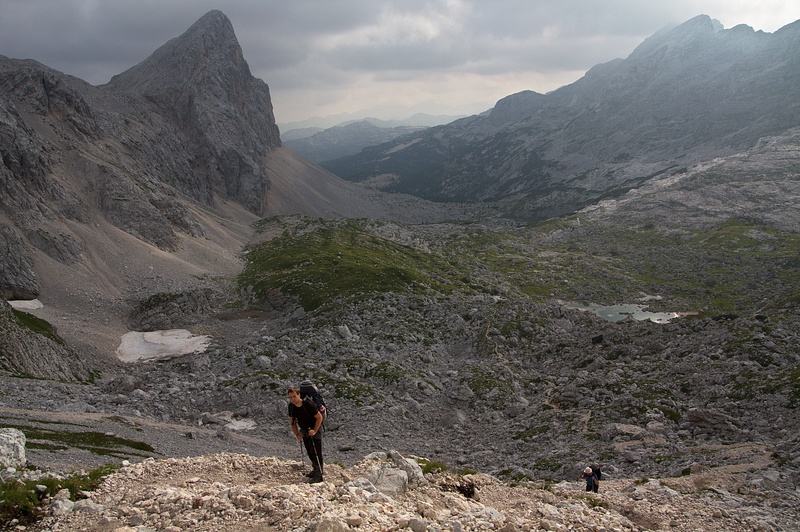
pixel 21 304
pixel 139 346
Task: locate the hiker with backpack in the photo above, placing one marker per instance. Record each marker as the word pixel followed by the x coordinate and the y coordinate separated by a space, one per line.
pixel 592 479
pixel 306 422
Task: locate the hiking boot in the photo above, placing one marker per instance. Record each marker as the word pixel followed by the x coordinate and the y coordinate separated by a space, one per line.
pixel 315 476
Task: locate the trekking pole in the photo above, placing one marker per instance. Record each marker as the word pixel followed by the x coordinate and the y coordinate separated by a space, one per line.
pixel 319 465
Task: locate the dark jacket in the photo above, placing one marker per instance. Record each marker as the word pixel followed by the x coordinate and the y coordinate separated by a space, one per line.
pixel 305 415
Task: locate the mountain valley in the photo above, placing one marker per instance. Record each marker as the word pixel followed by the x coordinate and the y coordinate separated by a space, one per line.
pixel 442 331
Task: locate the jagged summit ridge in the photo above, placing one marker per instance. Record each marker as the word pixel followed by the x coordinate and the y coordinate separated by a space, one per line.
pixel 201 81
pixel 187 55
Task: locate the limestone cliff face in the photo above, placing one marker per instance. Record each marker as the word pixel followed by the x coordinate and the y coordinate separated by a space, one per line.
pixel 190 125
pixel 201 81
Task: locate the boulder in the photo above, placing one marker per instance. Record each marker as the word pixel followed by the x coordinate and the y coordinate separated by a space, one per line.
pixel 622 432
pixel 412 469
pixel 12 448
pixel 387 479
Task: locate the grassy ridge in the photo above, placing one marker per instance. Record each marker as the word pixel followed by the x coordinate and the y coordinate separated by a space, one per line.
pixel 339 261
pixel 736 266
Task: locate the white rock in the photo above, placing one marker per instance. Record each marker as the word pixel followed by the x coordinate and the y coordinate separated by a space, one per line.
pixel 388 480
pixel 12 448
pixel 61 506
pixel 88 506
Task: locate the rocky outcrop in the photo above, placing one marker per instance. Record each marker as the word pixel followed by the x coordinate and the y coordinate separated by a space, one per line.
pixel 12 448
pixel 202 83
pixel 170 311
pixel 33 349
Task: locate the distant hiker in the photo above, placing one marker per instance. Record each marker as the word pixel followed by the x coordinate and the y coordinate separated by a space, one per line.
pixel 592 481
pixel 306 422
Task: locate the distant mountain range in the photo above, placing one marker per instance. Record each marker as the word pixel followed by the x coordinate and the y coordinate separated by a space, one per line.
pixel 411 119
pixel 685 95
pixel 349 139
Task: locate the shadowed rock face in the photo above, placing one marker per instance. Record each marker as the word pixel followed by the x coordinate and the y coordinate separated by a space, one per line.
pixel 190 125
pixel 18 281
pixel 33 355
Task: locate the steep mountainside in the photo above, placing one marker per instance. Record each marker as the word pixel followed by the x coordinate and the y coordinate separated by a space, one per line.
pixel 142 154
pixel 201 82
pixel 149 182
pixel 684 95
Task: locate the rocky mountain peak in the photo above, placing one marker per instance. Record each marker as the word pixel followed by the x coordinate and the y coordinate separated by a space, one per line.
pixel 208 48
pixel 700 27
pixel 201 81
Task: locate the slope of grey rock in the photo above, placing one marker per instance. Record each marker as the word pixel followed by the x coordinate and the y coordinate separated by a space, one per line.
pixel 202 83
pixel 35 355
pixel 684 95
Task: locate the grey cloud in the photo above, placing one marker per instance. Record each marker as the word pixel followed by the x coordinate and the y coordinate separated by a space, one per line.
pixel 317 46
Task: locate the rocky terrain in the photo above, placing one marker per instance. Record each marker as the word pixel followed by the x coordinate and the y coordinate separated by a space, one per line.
pixel 241 492
pixel 451 333
pixel 476 364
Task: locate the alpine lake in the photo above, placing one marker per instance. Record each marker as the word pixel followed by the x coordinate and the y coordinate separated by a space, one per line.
pixel 637 312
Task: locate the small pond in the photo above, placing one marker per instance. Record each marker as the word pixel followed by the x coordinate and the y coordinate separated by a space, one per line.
pixel 634 311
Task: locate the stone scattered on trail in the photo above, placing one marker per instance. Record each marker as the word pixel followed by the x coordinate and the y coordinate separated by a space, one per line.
pixel 231 492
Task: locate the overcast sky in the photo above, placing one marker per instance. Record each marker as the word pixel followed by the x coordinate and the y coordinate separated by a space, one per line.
pixel 389 58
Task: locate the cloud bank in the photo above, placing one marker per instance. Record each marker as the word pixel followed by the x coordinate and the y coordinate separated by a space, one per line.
pixel 390 58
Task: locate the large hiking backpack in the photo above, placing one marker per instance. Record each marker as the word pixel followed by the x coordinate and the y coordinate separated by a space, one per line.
pixel 309 390
pixel 597 473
